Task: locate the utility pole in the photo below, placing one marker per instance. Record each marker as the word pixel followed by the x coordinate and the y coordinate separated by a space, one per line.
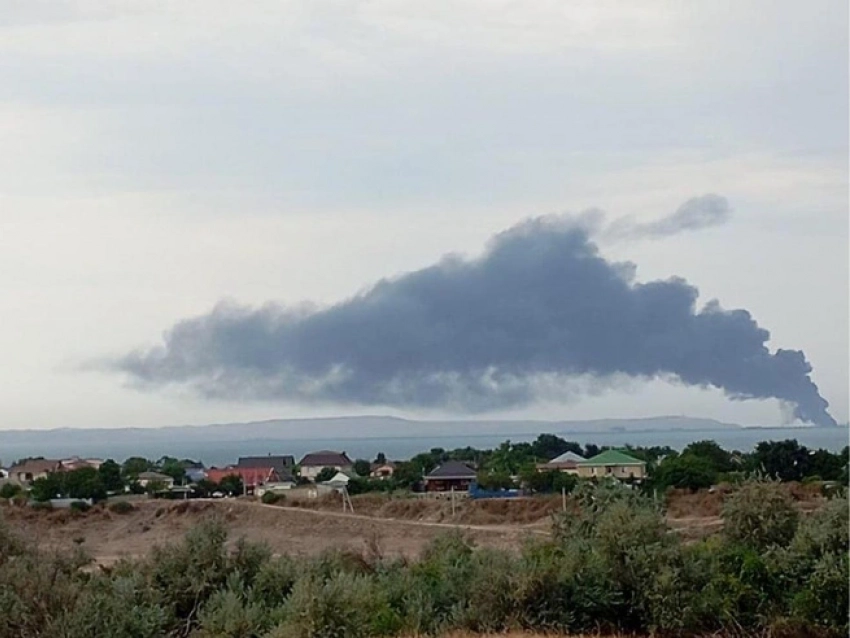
pixel 564 499
pixel 346 500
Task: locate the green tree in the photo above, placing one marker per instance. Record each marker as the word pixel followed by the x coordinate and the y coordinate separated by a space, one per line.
pixel 720 459
pixel 46 488
pixel 362 467
pixel 110 475
pixel 134 466
pixel 10 490
pixel 407 474
pixel 547 446
pixel 82 483
pixel 495 481
pixel 826 465
pixel 786 460
pixel 173 468
pixel 547 482
pixel 686 471
pixel 325 474
pixel 232 484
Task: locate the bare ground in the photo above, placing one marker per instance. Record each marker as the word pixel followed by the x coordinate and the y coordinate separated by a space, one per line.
pixel 392 526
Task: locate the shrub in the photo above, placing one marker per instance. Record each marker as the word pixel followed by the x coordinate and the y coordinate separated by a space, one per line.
pixel 79 506
pixel 10 490
pixel 759 514
pixel 345 605
pixel 121 507
pixel 270 498
pixel 226 613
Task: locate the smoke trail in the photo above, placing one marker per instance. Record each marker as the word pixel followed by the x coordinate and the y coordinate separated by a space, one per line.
pixel 480 334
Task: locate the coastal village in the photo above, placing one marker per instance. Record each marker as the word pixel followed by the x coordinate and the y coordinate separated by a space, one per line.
pixel 317 473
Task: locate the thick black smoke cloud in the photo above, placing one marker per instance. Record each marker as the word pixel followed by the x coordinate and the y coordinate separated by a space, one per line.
pixel 481 334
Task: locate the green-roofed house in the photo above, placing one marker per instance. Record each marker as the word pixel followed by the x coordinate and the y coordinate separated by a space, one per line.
pixel 612 464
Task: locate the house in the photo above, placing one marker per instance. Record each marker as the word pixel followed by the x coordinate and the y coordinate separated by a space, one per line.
pixel 382 470
pixel 613 464
pixel 251 477
pixel 315 462
pixel 282 464
pixel 566 462
pixel 451 475
pixel 76 463
pixel 195 474
pixel 33 469
pixel 146 478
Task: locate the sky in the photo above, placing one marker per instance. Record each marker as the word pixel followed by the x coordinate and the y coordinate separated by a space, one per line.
pixel 166 159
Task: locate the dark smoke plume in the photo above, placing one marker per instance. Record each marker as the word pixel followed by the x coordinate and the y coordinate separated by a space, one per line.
pixel 482 334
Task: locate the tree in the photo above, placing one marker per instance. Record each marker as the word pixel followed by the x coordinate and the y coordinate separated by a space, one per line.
pixel 547 446
pixel 173 468
pixel 155 486
pixel 134 466
pixel 720 459
pixel 548 482
pixel 786 460
pixel 232 484
pixel 110 476
pixel 590 450
pixel 362 467
pixel 407 474
pixel 685 472
pixel 45 488
pixel 495 481
pixel 84 482
pixel 10 490
pixel 826 465
pixel 380 458
pixel 325 474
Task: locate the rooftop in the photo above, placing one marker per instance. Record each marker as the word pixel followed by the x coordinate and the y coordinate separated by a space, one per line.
pixel 326 458
pixel 612 457
pixel 452 470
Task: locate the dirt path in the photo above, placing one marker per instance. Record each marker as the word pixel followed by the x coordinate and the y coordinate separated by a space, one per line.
pixel 533 528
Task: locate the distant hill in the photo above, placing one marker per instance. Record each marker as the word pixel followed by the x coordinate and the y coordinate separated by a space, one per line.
pixel 123 442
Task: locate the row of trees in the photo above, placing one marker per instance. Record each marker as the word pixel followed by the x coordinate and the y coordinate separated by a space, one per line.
pixel 700 465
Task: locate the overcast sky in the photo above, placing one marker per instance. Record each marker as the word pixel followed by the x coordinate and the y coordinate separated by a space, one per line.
pixel 160 157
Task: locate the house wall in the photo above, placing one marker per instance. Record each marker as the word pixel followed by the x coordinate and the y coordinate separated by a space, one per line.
pixel 312 471
pixel 446 485
pixel 27 477
pixel 384 471
pixel 621 472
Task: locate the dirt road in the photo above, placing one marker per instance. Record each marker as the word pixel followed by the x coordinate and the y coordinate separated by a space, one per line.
pixel 108 536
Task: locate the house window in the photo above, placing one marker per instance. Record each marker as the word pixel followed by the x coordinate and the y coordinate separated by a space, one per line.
pixel 609 470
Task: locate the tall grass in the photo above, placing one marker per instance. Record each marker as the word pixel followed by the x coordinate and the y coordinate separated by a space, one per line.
pixel 612 566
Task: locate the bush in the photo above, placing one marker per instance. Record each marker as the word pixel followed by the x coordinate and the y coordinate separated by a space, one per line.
pixel 79 506
pixel 760 514
pixel 121 507
pixel 10 490
pixel 612 566
pixel 270 498
pixel 345 605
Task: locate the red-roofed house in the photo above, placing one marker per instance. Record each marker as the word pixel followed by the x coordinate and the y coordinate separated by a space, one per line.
pixel 252 477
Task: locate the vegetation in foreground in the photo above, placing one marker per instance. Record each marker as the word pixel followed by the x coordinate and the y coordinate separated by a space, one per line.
pixel 611 566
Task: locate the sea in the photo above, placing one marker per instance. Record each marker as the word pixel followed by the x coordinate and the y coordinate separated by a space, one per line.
pixel 220 453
